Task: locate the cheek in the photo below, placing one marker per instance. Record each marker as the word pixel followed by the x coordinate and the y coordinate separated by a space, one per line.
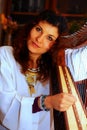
pixel 48 46
pixel 30 37
pixel 51 44
pixel 32 33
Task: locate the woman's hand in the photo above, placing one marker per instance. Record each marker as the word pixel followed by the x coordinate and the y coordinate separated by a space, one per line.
pixel 60 102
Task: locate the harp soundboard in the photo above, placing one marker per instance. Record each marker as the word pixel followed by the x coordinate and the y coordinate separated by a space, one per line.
pixel 75 116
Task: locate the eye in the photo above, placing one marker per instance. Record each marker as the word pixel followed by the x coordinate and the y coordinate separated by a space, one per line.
pixel 50 38
pixel 38 29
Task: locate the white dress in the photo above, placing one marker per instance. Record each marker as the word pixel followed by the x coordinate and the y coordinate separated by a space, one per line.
pixel 15 100
pixel 76 60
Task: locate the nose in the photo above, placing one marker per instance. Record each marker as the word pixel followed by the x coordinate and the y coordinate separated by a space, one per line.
pixel 40 38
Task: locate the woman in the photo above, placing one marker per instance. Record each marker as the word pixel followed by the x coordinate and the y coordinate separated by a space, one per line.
pixel 26 71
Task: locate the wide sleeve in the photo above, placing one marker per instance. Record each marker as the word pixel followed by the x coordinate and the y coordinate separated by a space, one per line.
pixel 76 61
pixel 15 109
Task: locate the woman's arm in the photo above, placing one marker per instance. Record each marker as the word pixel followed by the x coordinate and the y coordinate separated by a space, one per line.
pixel 60 102
pixel 15 109
pixel 75 59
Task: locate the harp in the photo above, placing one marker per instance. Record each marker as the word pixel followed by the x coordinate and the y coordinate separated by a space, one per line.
pixel 75 116
pixel 75 39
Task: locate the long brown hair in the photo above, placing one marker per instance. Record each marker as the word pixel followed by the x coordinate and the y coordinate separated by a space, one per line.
pixel 21 52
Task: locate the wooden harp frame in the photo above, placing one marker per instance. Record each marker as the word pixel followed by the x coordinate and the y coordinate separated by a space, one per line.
pixel 75 116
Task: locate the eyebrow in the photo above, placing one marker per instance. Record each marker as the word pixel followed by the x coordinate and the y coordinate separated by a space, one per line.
pixel 48 34
pixel 52 36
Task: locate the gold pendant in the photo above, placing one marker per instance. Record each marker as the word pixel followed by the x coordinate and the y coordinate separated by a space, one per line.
pixel 32 89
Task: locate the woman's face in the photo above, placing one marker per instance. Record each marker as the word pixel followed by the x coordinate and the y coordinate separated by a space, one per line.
pixel 42 37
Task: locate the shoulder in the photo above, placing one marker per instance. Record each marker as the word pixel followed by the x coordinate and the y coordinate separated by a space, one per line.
pixel 6 50
pixel 80 50
pixel 6 54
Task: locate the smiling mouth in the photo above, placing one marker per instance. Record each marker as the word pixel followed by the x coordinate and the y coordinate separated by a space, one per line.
pixel 35 45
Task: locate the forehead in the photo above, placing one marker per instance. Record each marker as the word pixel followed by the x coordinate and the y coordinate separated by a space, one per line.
pixel 49 28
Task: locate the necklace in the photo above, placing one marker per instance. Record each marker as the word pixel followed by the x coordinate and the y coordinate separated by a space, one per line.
pixel 31 78
pixel 34 69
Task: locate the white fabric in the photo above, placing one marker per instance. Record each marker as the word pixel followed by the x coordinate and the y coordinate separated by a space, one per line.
pixel 15 101
pixel 76 60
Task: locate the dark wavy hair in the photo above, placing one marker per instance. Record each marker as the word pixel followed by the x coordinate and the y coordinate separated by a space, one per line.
pixel 21 52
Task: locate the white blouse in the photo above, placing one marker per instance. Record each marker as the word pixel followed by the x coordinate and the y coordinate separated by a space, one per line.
pixel 76 60
pixel 15 100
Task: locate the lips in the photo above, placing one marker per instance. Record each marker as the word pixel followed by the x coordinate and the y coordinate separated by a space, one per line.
pixel 35 44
